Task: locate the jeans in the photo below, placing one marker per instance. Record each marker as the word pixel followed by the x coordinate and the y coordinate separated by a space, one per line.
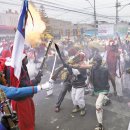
pixel 66 87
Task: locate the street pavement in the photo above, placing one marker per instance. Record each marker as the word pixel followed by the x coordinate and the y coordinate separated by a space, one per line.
pixel 116 115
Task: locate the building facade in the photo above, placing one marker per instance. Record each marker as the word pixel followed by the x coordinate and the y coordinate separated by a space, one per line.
pixel 8 23
pixel 58 28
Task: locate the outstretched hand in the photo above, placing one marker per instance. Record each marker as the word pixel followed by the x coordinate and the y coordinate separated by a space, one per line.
pixel 47 85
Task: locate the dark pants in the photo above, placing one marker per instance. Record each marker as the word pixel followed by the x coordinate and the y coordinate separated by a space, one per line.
pixel 66 87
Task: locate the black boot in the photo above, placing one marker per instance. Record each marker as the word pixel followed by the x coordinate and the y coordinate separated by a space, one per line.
pixel 57 109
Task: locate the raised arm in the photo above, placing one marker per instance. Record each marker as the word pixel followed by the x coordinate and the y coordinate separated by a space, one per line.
pixel 82 66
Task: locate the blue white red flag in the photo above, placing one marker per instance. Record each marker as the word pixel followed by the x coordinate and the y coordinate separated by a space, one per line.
pixel 18 47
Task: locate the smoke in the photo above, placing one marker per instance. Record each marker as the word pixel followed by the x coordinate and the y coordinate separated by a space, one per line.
pixel 35 27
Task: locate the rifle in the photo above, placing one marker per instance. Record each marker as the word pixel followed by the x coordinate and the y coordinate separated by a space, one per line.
pixel 45 56
pixel 6 110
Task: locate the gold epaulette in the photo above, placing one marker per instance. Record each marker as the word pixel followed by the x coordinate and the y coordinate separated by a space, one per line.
pixel 64 73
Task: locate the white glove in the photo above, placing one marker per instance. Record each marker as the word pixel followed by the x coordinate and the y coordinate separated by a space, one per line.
pixel 75 72
pixel 45 86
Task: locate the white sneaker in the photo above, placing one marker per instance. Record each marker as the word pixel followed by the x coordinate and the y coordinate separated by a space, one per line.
pixel 99 127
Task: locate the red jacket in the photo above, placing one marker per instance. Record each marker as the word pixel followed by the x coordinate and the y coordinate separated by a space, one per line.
pixel 25 106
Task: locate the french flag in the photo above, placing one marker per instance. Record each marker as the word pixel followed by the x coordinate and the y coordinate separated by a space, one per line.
pixel 18 47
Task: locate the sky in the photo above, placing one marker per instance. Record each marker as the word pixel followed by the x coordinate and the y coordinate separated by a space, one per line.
pixel 105 9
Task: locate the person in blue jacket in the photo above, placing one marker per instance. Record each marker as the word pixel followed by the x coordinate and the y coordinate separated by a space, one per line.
pixel 14 93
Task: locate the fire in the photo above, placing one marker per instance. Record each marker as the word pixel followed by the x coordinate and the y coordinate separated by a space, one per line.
pixel 35 27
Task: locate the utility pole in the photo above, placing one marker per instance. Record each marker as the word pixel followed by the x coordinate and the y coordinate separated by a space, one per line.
pixel 117 12
pixel 117 17
pixel 95 17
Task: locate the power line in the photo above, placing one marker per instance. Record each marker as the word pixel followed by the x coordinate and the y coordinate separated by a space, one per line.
pixel 100 7
pixel 57 4
pixel 74 11
pixel 123 1
pixel 61 8
pixel 99 15
pixel 90 3
pixel 71 10
pixel 124 6
pixel 67 7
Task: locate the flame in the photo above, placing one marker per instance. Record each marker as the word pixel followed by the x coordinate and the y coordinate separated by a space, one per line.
pixel 35 27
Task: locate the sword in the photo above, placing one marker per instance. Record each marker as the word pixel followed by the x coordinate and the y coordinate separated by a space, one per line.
pixel 50 90
pixel 63 62
pixel 53 67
